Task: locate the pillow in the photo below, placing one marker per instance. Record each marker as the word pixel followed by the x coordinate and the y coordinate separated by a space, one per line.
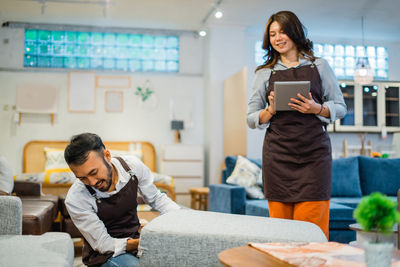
pixel 6 177
pixel 230 162
pixel 345 178
pixel 163 179
pixel 49 177
pixel 121 153
pixel 246 174
pixel 56 170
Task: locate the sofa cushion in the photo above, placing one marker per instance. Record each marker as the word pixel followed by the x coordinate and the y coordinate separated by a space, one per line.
pixel 379 175
pixel 195 238
pixel 345 178
pixel 339 212
pixel 351 202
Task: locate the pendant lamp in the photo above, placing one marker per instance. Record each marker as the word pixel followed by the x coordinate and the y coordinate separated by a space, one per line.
pixel 363 73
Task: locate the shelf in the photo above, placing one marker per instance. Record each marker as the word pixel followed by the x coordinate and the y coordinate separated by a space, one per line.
pixel 392 115
pixel 392 99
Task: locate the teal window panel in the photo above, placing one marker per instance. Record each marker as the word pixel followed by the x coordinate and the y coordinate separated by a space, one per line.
pixel 160 54
pixel 57 62
pixel 135 65
pixel 58 50
pixel 160 65
pixel 44 62
pixel 172 66
pixel 83 62
pixel 71 37
pixel 147 53
pixel 109 38
pixel 109 51
pixel 147 41
pixel 83 37
pixel 83 50
pixel 135 53
pixel 30 61
pixel 31 35
pixel 96 51
pixel 96 63
pixel 122 64
pixel 71 50
pixel 44 36
pixel 148 65
pixel 122 52
pixel 44 49
pixel 172 42
pixel 57 36
pixel 160 41
pixel 70 62
pixel 109 63
pixel 172 54
pixel 135 40
pixel 30 48
pixel 96 38
pixel 122 39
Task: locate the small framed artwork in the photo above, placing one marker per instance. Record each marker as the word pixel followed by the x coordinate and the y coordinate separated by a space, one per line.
pixel 114 101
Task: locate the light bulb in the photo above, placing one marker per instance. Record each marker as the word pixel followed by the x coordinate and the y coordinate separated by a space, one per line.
pixel 202 33
pixel 218 14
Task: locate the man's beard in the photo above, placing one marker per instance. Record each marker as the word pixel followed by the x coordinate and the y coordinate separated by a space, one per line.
pixel 108 181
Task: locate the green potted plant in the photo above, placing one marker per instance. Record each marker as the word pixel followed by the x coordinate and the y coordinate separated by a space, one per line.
pixel 377 215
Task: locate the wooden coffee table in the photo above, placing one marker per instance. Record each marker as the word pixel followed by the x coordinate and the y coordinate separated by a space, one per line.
pixel 247 256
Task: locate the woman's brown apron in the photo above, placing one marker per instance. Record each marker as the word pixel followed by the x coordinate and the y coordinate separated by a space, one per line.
pixel 297 157
pixel 119 214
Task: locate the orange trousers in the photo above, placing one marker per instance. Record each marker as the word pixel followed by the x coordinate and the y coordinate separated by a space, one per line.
pixel 316 212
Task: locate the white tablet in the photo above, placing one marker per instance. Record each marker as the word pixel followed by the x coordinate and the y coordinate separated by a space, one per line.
pixel 286 90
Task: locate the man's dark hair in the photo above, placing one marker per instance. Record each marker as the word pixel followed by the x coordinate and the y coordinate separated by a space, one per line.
pixel 76 153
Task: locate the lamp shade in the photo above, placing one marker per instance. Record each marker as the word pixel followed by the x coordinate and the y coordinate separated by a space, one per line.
pixel 177 125
pixel 363 73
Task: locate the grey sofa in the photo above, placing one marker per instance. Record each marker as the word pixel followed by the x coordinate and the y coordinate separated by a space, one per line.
pixel 50 249
pixel 194 238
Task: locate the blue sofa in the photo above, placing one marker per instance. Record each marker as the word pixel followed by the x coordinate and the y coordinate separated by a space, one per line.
pixel 352 178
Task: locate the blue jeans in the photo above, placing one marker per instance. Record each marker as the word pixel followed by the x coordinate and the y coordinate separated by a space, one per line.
pixel 123 260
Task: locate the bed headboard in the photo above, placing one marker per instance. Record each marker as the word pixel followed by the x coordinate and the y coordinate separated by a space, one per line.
pixel 34 159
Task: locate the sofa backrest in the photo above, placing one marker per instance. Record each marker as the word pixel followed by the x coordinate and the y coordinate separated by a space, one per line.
pixel 346 178
pixel 379 175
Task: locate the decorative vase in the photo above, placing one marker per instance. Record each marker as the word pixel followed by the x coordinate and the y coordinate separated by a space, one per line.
pixel 378 254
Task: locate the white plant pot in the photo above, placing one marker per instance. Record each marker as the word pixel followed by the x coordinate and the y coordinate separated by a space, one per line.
pixel 378 254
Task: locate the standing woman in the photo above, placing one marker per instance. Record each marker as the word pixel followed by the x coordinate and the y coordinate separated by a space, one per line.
pixel 297 157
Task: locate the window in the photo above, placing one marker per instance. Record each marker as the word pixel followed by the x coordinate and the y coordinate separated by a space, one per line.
pixel 343 58
pixel 101 51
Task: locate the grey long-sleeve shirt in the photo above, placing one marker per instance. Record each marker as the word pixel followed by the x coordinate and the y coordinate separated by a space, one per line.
pixel 332 95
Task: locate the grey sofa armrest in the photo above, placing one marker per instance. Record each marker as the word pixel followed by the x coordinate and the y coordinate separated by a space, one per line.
pixel 10 215
pixel 227 198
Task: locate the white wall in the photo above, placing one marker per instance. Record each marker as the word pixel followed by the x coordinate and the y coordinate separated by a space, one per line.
pixel 133 123
pixel 225 53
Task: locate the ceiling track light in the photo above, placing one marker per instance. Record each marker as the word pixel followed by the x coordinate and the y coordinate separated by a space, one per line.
pixel 363 73
pixel 213 10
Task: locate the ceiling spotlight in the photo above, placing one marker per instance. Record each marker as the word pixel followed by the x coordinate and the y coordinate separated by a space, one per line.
pixel 218 14
pixel 202 33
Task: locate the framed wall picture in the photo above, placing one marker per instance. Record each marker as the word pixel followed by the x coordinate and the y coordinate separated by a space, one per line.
pixel 81 92
pixel 114 101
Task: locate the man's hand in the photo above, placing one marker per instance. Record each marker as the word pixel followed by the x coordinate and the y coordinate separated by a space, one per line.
pixel 132 244
pixel 305 105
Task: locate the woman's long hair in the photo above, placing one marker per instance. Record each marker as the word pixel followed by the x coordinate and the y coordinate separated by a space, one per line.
pixel 292 27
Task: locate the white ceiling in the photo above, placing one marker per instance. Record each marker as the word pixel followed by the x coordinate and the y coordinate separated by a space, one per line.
pixel 333 19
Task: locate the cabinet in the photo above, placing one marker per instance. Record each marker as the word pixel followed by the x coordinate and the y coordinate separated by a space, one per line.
pixel 370 108
pixel 185 164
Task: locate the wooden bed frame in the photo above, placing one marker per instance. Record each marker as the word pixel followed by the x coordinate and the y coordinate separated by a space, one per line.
pixel 34 161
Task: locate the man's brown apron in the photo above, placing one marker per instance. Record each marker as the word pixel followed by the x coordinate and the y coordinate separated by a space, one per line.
pixel 297 157
pixel 119 214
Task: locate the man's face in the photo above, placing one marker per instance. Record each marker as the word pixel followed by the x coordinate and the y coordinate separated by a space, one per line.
pixel 96 171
